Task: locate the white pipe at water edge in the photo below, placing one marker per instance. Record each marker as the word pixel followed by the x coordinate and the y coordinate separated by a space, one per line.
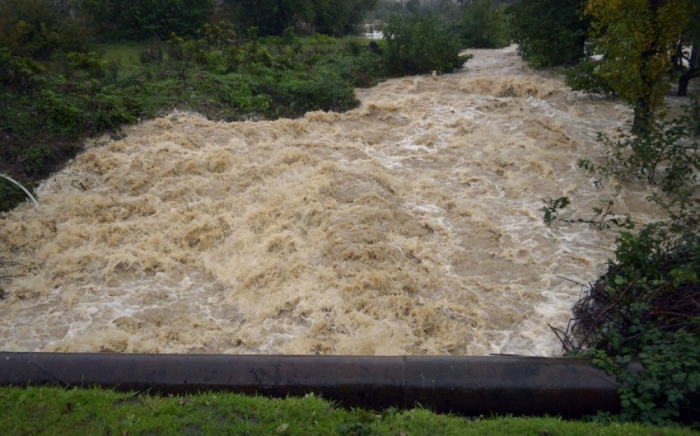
pixel 22 188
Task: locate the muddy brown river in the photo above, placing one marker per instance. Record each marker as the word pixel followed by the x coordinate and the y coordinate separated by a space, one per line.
pixel 410 225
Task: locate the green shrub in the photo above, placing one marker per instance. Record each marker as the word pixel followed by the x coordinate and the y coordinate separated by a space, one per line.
pixel 549 32
pixel 644 310
pixel 294 94
pixel 90 62
pixel 64 113
pixel 363 69
pixel 483 26
pixel 418 44
pixel 666 149
pixel 143 19
pixel 110 109
pixel 583 77
pixel 35 159
pixel 19 74
pixel 38 28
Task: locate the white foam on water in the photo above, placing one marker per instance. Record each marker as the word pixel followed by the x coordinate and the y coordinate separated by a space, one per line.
pixel 410 225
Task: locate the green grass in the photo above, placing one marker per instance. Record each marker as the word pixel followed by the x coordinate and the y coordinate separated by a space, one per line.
pixel 52 410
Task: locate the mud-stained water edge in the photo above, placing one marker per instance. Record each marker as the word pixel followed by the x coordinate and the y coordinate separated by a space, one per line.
pixel 410 225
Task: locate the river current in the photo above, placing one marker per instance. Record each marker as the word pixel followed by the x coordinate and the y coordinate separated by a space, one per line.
pixel 409 225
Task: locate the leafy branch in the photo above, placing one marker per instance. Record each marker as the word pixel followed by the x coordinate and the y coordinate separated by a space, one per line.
pixel 603 219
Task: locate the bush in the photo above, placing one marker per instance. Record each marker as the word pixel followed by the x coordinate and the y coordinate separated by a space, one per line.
pixel 45 108
pixel 19 74
pixel 483 26
pixel 142 19
pixel 549 32
pixel 418 44
pixel 361 69
pixel 645 309
pixel 37 28
pixel 666 150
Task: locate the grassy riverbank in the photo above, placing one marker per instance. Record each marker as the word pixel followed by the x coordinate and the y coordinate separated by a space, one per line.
pixel 48 107
pixel 35 411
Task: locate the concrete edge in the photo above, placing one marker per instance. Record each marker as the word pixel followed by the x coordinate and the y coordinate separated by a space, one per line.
pixel 471 386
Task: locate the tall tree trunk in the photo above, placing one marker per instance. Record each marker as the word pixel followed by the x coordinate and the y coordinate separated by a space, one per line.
pixel 693 71
pixel 643 117
pixel 643 110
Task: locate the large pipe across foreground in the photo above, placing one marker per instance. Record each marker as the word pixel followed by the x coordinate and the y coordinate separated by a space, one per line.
pixel 466 385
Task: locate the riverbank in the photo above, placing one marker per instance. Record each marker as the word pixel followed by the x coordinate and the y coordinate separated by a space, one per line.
pixel 53 410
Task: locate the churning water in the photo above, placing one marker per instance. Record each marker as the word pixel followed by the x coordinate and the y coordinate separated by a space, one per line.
pixel 410 225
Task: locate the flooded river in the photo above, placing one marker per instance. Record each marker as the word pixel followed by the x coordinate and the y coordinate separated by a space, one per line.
pixel 410 225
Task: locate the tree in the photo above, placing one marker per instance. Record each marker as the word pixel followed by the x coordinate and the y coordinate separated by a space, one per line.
pixel 271 17
pixel 549 32
pixel 141 19
pixel 331 17
pixel 413 6
pixel 691 37
pixel 417 44
pixel 636 38
pixel 483 26
pixel 37 28
pixel 340 18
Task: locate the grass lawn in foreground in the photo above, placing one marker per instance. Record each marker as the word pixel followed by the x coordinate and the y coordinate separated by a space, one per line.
pixel 53 410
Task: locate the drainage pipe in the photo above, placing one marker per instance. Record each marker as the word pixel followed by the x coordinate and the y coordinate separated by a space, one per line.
pixel 470 386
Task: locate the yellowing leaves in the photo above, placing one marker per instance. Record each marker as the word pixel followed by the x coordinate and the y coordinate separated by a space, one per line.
pixel 637 37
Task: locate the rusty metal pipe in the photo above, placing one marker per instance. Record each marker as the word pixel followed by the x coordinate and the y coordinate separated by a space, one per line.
pixel 466 385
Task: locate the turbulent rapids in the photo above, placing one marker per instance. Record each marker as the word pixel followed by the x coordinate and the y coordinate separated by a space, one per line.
pixel 410 225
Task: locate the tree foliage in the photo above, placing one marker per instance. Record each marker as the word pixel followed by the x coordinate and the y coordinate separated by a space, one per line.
pixel 483 26
pixel 691 37
pixel 666 153
pixel 37 28
pixel 549 32
pixel 339 18
pixel 141 19
pixel 644 309
pixel 417 44
pixel 636 38
pixel 329 17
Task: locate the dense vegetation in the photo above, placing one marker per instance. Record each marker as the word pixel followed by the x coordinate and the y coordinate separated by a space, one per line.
pixel 474 23
pixel 483 26
pixel 418 44
pixel 58 88
pixel 549 32
pixel 272 17
pixel 139 19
